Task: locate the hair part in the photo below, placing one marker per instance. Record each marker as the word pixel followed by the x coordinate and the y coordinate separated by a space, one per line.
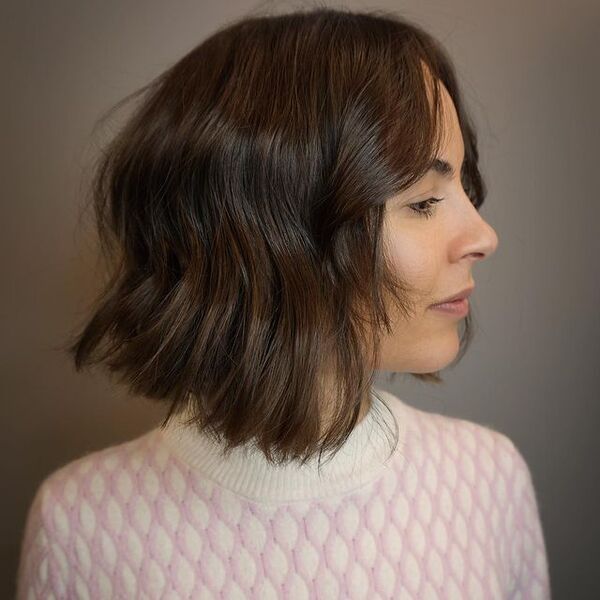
pixel 240 212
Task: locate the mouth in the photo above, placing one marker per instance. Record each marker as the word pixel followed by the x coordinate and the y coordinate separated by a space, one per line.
pixel 460 296
pixel 458 308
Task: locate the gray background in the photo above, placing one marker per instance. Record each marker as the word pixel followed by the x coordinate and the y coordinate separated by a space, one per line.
pixel 529 71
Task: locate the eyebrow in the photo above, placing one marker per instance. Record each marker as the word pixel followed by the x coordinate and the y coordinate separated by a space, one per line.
pixel 443 167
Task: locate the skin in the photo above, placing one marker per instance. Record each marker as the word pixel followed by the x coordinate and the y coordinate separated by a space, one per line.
pixel 436 255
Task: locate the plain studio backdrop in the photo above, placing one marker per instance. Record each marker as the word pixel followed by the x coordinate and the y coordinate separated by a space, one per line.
pixel 530 76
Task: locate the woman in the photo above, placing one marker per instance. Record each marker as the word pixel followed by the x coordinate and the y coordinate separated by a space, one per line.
pixel 287 211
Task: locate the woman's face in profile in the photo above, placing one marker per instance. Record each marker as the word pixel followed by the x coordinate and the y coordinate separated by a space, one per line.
pixel 435 254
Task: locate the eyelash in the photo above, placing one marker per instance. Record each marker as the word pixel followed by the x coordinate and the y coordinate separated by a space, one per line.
pixel 428 211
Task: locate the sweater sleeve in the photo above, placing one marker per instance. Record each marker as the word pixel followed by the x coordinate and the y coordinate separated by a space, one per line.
pixel 532 580
pixel 41 571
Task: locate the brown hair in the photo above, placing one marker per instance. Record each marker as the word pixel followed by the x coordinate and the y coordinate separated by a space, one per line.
pixel 240 209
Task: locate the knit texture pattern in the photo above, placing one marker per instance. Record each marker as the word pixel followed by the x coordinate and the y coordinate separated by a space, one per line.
pixel 455 516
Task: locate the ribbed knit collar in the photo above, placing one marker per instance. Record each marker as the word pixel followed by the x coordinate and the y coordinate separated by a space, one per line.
pixel 362 459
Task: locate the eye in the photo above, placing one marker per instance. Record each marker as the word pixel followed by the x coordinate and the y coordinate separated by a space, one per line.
pixel 427 207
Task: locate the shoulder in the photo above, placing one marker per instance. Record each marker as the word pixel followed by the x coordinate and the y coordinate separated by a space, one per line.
pixel 71 492
pixel 73 505
pixel 477 451
pixel 472 472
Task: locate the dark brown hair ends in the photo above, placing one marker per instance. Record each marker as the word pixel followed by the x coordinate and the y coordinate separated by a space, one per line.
pixel 240 211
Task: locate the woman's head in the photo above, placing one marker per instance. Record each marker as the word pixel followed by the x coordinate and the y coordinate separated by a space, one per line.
pixel 262 266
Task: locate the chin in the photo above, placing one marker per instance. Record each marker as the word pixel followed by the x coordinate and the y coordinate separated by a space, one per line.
pixel 440 355
pixel 421 366
pixel 442 361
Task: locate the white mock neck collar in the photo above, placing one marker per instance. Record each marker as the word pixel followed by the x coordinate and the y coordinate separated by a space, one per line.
pixel 365 455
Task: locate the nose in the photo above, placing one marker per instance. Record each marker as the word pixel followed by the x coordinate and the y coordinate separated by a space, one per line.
pixel 487 240
pixel 482 239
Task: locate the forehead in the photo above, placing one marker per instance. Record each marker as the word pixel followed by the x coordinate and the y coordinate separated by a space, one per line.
pixel 452 140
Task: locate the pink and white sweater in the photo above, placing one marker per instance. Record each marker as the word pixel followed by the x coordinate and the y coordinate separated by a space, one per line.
pixel 451 514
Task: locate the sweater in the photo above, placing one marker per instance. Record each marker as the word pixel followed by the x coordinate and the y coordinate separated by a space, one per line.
pixel 451 513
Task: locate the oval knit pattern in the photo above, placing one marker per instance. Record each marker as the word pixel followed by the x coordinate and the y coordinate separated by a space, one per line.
pixel 451 514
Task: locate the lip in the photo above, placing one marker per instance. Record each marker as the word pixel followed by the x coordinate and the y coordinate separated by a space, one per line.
pixel 460 296
pixel 457 308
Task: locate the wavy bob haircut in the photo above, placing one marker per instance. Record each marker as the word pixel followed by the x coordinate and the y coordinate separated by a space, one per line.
pixel 240 210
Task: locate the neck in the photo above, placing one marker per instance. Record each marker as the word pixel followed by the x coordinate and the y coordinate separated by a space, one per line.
pixel 246 471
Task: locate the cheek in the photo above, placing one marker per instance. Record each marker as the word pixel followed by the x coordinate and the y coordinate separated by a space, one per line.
pixel 415 259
